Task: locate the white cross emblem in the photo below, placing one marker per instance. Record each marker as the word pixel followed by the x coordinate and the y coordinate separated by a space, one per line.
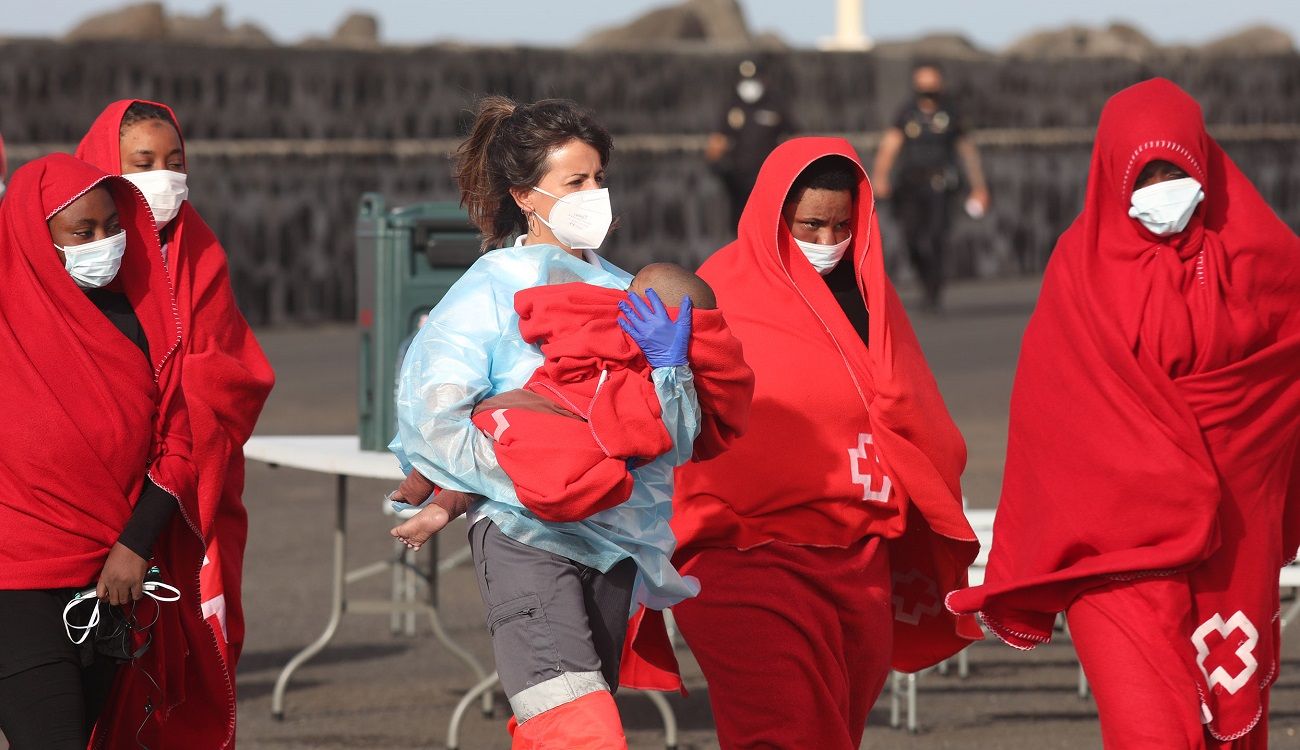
pixel 1245 651
pixel 914 581
pixel 859 454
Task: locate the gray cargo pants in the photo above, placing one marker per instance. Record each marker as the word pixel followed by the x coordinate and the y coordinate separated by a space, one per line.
pixel 557 626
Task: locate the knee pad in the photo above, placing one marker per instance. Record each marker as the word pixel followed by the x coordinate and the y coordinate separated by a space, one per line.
pixel 588 723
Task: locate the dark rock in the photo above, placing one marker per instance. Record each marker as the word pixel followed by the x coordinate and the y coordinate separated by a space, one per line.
pixel 715 22
pixel 938 46
pixel 139 22
pixel 357 30
pixel 1116 40
pixel 1255 40
pixel 204 29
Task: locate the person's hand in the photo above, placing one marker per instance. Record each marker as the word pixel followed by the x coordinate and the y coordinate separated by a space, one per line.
pixel 881 188
pixel 981 196
pixel 122 579
pixel 414 490
pixel 663 341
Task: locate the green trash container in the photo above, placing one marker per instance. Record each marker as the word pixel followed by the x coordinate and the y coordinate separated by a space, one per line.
pixel 407 258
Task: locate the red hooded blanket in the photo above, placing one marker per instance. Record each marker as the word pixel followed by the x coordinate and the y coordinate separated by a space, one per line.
pixel 84 415
pixel 1155 417
pixel 226 380
pixel 569 469
pixel 845 440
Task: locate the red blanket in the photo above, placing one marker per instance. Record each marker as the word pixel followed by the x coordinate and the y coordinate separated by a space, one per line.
pixel 569 469
pixel 1155 415
pixel 845 440
pixel 84 415
pixel 226 380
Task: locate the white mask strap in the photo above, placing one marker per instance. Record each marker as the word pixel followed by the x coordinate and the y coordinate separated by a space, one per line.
pixel 85 630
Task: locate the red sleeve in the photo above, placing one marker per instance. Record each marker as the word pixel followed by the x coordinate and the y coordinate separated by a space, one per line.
pixel 724 383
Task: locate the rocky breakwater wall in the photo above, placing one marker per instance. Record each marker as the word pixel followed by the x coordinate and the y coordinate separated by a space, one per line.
pixel 284 140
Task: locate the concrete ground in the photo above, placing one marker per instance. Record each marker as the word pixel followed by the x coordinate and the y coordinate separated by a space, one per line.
pixel 372 689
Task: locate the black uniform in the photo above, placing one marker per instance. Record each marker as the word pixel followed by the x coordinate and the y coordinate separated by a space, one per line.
pixel 753 131
pixel 925 183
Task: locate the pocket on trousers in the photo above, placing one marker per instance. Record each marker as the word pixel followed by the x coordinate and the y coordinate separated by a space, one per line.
pixel 523 644
pixel 525 609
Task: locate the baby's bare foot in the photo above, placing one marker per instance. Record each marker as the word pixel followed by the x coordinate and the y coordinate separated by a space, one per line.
pixel 417 529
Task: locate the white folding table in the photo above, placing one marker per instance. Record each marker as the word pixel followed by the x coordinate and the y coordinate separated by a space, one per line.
pixel 341 456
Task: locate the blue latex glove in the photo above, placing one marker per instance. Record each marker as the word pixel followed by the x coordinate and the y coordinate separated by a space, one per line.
pixel 662 340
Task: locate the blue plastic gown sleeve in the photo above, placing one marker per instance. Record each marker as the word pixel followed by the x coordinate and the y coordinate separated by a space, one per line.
pixel 447 370
pixel 675 387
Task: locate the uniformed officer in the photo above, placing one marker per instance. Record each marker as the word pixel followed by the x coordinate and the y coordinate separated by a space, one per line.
pixel 755 121
pixel 917 166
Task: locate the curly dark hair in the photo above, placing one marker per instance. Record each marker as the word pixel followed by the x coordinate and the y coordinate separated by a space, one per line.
pixel 508 147
pixel 832 172
pixel 141 111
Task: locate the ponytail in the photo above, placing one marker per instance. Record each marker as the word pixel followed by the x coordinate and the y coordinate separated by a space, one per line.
pixel 509 146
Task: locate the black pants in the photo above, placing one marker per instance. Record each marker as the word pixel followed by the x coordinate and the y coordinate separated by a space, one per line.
pixel 51 691
pixel 925 211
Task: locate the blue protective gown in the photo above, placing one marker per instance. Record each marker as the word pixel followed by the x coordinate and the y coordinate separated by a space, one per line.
pixel 471 349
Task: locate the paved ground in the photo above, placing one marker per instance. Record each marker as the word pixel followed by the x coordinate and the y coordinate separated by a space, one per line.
pixel 372 689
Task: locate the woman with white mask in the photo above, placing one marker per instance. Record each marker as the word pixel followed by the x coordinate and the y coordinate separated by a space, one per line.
pixel 1152 484
pixel 94 466
pixel 227 377
pixel 558 595
pixel 825 538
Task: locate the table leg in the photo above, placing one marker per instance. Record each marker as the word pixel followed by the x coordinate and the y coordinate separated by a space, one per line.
pixel 668 717
pixel 911 703
pixel 399 585
pixel 1292 612
pixel 453 728
pixel 895 708
pixel 459 652
pixel 337 603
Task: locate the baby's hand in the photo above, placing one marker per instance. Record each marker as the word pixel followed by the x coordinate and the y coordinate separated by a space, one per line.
pixel 414 490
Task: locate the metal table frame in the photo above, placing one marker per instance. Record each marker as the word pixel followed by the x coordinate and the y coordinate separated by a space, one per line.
pixel 341 456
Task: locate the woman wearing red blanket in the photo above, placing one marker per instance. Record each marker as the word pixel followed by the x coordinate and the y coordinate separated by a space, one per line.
pixel 827 536
pixel 94 465
pixel 226 378
pixel 1151 488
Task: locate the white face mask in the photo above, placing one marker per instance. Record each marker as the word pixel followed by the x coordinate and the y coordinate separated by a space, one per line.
pixel 824 258
pixel 749 90
pixel 1166 207
pixel 580 220
pixel 165 191
pixel 94 264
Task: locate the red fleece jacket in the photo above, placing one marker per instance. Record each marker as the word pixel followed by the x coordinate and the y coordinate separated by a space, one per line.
pixel 567 469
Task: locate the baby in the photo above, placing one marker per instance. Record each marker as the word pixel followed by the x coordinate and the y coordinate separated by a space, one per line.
pixel 563 471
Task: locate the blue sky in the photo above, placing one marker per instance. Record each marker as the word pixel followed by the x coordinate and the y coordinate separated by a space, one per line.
pixel 990 23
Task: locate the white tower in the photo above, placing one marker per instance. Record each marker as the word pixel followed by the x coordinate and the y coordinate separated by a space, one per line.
pixel 848 28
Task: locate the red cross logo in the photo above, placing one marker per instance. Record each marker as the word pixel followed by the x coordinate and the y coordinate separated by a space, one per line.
pixel 1221 644
pixel 865 453
pixel 915 595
